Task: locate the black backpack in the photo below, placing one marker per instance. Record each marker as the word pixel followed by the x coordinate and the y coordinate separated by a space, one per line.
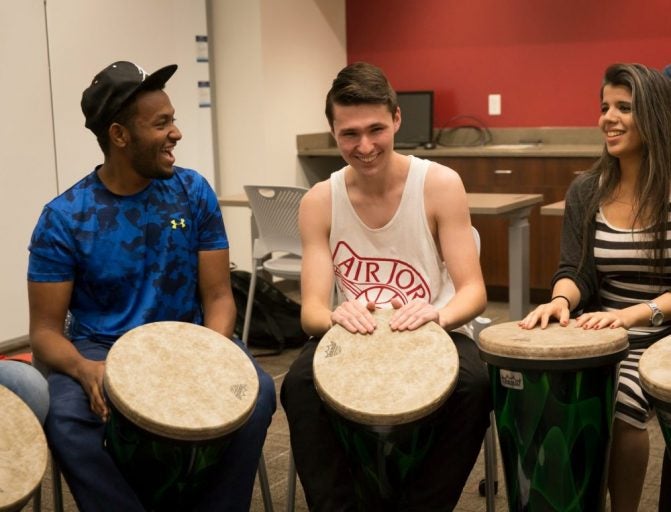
pixel 276 319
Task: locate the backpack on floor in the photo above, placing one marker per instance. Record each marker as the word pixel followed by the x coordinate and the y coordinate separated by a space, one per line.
pixel 276 319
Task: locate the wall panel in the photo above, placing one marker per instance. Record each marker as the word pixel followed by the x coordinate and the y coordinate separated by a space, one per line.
pixel 27 165
pixel 87 35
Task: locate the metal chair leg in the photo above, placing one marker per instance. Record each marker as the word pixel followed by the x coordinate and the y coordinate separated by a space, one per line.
pixel 57 486
pixel 265 487
pixel 37 499
pixel 291 483
pixel 491 483
pixel 250 303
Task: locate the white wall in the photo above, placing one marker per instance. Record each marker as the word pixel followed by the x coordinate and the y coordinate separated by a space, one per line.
pixel 87 35
pixel 28 173
pixel 274 62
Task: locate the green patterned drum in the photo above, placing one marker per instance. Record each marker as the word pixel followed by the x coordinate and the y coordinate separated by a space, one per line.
pixel 381 389
pixel 655 371
pixel 177 392
pixel 554 392
pixel 23 452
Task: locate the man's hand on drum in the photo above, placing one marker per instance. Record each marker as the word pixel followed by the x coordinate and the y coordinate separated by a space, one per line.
pixel 601 320
pixel 90 376
pixel 555 309
pixel 355 316
pixel 412 315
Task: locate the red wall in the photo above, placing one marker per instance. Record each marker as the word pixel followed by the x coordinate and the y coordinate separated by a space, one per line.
pixel 546 59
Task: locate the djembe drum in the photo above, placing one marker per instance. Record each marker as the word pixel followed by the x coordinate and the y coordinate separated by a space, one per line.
pixel 554 392
pixel 381 390
pixel 177 392
pixel 654 368
pixel 23 452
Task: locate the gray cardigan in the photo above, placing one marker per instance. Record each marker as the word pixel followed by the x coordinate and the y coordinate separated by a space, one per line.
pixel 586 277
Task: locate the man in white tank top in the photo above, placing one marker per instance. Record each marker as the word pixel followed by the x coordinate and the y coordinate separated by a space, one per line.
pixel 391 231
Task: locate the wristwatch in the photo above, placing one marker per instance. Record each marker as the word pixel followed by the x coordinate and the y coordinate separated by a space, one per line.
pixel 656 315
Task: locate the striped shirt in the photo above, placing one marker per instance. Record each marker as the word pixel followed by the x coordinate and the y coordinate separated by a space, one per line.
pixel 622 258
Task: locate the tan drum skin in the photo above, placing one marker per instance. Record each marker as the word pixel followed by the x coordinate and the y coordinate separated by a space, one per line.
pixel 553 394
pixel 552 343
pixel 654 369
pixel 23 452
pixel 388 377
pixel 181 381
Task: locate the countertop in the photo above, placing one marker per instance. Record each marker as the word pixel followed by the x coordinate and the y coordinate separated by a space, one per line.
pixel 506 142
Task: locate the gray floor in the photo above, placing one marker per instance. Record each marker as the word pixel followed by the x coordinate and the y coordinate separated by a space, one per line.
pixel 276 452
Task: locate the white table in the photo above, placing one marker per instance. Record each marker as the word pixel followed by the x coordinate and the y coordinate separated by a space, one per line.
pixel 516 207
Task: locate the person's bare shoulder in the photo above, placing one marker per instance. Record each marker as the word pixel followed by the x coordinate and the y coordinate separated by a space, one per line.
pixel 443 186
pixel 315 208
pixel 441 175
pixel 319 196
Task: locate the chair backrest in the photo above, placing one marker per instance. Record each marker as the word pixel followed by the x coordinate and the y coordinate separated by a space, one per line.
pixel 479 322
pixel 275 210
pixel 476 237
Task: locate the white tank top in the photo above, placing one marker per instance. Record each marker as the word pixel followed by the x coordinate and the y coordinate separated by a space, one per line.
pixel 398 260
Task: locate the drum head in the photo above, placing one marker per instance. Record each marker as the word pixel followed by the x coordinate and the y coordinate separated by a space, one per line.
pixel 654 368
pixel 23 451
pixel 554 343
pixel 181 381
pixel 388 377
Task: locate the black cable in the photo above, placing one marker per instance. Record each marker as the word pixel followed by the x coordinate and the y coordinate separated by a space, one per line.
pixel 483 135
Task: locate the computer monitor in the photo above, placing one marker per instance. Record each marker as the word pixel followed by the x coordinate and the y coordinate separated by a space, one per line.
pixel 416 118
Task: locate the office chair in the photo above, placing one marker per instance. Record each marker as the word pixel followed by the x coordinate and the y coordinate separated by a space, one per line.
pixel 489 485
pixel 275 212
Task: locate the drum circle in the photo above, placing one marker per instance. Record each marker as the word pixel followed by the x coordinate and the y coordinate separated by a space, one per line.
pixel 177 393
pixel 554 398
pixel 655 372
pixel 382 392
pixel 23 452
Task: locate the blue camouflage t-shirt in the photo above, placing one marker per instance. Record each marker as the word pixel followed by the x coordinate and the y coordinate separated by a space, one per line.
pixel 132 259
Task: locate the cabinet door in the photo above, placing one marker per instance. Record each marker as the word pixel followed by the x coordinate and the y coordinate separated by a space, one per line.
pixel 547 176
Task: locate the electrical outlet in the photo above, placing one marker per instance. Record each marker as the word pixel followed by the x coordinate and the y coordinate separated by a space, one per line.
pixel 494 104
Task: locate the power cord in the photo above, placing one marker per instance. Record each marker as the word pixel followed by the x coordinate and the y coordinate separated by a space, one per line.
pixel 446 136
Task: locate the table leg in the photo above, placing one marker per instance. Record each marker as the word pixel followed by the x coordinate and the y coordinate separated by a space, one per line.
pixel 518 264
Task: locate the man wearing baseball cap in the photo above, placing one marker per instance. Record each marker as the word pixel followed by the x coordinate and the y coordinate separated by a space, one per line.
pixel 137 240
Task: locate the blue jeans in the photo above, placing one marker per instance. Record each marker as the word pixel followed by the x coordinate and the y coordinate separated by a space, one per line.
pixel 26 382
pixel 76 435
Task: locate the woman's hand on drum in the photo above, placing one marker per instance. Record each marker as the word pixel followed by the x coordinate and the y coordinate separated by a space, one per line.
pixel 355 317
pixel 555 309
pixel 90 376
pixel 412 315
pixel 601 320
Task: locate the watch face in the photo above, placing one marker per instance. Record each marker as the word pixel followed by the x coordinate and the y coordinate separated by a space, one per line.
pixel 657 318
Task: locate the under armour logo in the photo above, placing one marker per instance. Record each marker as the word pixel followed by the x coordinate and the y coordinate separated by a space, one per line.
pixel 175 223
